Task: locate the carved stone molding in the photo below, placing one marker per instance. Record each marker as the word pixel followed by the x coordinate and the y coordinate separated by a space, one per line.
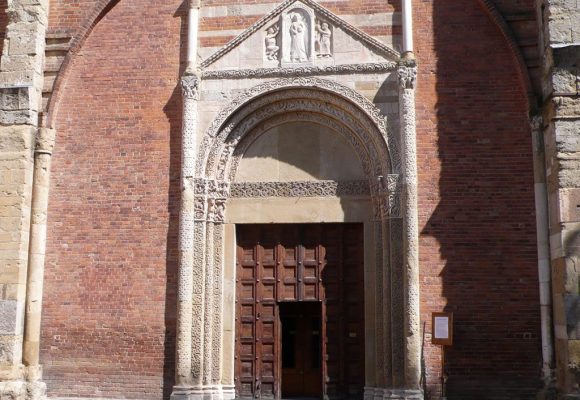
pixel 373 162
pixel 407 76
pixel 366 68
pixel 190 86
pixel 325 188
pixel 324 91
pixel 210 197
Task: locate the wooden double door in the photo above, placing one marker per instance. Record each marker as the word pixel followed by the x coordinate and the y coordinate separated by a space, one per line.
pixel 300 311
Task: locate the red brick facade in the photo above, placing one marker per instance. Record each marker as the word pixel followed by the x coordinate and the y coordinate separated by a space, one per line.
pixel 110 283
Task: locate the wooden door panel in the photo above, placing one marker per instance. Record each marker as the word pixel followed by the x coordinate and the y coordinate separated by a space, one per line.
pixel 296 263
pixel 288 274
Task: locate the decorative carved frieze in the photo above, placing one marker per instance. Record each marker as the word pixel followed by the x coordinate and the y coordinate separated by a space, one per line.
pixel 363 68
pixel 210 197
pixel 326 188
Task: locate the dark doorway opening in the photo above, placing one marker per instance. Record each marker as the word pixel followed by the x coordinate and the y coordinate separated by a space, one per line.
pixel 301 349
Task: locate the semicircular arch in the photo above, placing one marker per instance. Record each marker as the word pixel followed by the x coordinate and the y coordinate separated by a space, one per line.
pixel 314 95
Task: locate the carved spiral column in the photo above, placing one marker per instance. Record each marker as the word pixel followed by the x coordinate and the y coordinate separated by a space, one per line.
pixel 185 290
pixel 412 325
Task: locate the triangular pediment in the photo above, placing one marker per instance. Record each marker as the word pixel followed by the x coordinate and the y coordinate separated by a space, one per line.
pixel 299 33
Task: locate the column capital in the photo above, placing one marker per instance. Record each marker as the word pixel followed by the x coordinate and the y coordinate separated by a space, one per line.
pixel 407 74
pixel 536 122
pixel 190 82
pixel 45 141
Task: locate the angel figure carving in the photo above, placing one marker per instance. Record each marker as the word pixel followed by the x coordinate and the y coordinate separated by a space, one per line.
pixel 271 47
pixel 298 34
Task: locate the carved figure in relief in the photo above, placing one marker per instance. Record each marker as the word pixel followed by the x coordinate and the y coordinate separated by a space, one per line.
pixel 271 47
pixel 323 34
pixel 299 34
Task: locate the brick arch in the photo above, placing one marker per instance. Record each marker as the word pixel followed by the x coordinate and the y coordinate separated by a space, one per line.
pixel 101 9
pixel 523 73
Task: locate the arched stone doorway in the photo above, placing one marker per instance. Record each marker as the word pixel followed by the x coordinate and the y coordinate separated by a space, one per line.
pixel 234 184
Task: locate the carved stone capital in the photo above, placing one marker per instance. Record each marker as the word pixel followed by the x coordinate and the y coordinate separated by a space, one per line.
pixel 536 122
pixel 216 210
pixel 200 209
pixel 45 140
pixel 389 197
pixel 407 75
pixel 190 86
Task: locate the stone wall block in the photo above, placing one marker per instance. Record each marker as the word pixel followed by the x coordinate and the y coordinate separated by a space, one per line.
pixel 17 78
pixel 574 354
pixel 13 291
pixel 30 13
pixel 572 307
pixel 17 63
pixel 566 107
pixel 570 205
pixel 14 390
pixel 10 349
pixel 567 138
pixel 17 139
pixel 568 176
pixel 564 81
pixel 571 239
pixel 26 41
pixel 12 313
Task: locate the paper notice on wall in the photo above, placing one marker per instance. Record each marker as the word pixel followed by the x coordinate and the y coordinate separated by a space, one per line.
pixel 441 328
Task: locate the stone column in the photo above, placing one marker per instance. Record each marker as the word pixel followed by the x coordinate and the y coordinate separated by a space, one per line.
pixel 185 294
pixel 560 47
pixel 412 326
pixel 544 272
pixel 36 255
pixel 21 81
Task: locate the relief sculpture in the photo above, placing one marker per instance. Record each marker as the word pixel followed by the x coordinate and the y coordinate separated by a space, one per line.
pixel 299 36
pixel 272 47
pixel 322 44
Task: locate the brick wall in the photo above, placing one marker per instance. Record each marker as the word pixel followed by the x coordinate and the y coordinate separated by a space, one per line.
pixel 108 326
pixel 476 204
pixel 109 313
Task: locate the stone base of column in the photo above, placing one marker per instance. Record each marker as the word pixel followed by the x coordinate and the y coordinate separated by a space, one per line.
pixel 199 393
pixel 371 393
pixel 228 392
pixel 23 390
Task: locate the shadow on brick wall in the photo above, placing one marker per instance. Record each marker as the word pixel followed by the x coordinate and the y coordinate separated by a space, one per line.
pixel 483 206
